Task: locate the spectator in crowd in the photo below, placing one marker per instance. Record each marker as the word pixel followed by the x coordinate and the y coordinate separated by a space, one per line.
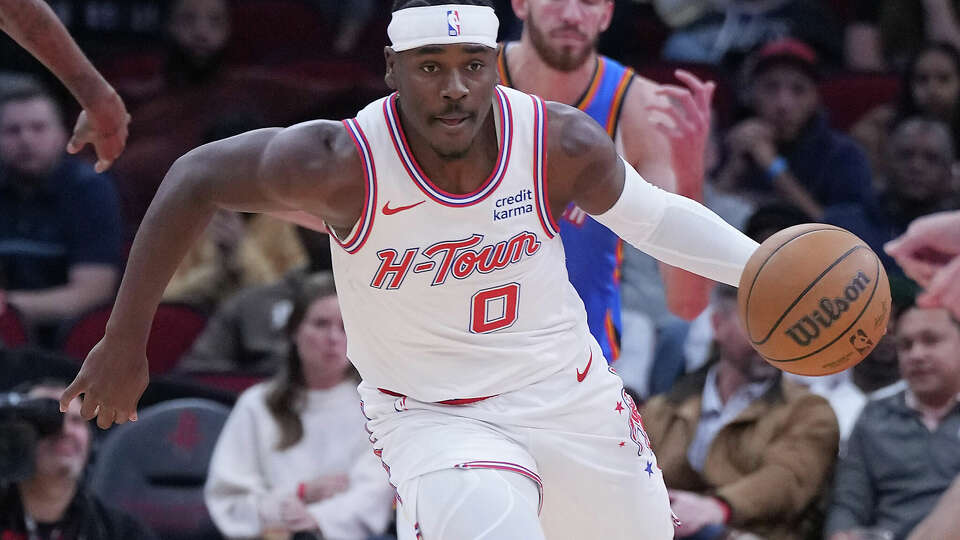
pixel 235 251
pixel 194 95
pixel 919 162
pixel 246 333
pixel 740 447
pixel 876 377
pixel 930 88
pixel 59 221
pixel 904 450
pixel 352 18
pixel 885 34
pixel 727 30
pixel 786 151
pixel 52 503
pixel 294 455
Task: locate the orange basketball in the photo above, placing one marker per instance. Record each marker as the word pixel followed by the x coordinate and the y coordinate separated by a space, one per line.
pixel 814 299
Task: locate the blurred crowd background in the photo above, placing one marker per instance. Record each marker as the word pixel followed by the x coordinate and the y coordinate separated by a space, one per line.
pixel 859 100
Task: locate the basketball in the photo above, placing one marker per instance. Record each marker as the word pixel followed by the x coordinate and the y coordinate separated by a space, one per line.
pixel 814 299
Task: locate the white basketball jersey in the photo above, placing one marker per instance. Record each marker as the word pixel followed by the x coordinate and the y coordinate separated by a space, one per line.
pixel 448 296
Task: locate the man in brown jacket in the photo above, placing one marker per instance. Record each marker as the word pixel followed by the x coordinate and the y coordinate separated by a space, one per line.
pixel 742 449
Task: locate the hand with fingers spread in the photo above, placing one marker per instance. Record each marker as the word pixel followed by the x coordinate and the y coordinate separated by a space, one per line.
pixel 104 126
pixel 111 380
pixel 929 252
pixel 689 114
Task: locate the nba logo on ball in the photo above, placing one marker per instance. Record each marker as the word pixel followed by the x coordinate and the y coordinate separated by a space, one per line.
pixel 814 299
pixel 453 23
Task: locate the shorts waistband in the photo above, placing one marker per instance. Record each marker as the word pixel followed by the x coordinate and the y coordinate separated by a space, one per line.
pixel 460 401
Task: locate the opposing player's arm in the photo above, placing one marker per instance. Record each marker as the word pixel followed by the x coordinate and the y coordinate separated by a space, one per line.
pixel 675 164
pixel 583 167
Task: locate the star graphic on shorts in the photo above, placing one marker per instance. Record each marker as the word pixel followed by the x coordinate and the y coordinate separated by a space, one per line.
pixel 649 469
pixel 619 407
pixel 622 443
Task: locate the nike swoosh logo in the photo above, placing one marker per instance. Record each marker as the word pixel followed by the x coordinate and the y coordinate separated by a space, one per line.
pixel 582 376
pixel 387 211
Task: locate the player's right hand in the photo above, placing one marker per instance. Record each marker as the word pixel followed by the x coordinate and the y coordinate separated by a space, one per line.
pixel 105 127
pixel 112 379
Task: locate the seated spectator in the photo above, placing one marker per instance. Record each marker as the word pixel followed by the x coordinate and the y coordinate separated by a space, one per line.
pixel 876 377
pixel 740 447
pixel 234 252
pixel 199 89
pixel 786 151
pixel 294 455
pixel 919 162
pixel 246 334
pixel 885 34
pixel 930 88
pixel 51 503
pixel 59 220
pixel 726 31
pixel 904 450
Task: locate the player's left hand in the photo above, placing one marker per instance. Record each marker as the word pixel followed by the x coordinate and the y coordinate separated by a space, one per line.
pixel 695 511
pixel 105 127
pixel 689 114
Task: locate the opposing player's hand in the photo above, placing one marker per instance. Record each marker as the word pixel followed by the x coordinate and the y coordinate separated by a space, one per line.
pixel 111 380
pixel 105 127
pixel 689 115
pixel 928 246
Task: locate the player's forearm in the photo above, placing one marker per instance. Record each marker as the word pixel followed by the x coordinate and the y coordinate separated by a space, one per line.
pixel 33 25
pixel 177 216
pixel 678 231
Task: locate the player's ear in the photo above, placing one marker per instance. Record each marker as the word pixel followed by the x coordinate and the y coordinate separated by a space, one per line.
pixel 391 60
pixel 520 8
pixel 607 15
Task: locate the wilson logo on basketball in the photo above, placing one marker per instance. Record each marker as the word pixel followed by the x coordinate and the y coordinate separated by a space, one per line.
pixel 807 329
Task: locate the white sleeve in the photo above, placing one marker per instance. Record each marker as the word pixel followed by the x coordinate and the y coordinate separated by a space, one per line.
pixel 235 485
pixel 678 231
pixel 364 509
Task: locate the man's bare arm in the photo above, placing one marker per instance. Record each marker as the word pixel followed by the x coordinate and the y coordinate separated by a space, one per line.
pixel 33 25
pixel 88 285
pixel 311 167
pixel 675 164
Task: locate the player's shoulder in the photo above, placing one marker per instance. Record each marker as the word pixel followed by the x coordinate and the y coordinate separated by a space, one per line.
pixel 572 132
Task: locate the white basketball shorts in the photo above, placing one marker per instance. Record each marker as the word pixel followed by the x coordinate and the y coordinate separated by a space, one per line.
pixel 577 434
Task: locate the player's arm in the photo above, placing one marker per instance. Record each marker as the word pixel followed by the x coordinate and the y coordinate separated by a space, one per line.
pixel 675 164
pixel 33 25
pixel 583 167
pixel 311 168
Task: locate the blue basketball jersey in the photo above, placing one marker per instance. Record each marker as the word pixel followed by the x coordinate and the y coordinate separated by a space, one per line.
pixel 594 254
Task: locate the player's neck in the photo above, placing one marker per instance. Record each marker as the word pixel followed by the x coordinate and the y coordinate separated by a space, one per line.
pixel 529 73
pixel 461 174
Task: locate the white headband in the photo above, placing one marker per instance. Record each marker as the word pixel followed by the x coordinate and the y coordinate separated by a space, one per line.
pixel 441 25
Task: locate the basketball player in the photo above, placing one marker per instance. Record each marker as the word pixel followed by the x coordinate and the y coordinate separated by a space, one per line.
pixel 488 399
pixel 929 252
pixel 103 121
pixel 556 59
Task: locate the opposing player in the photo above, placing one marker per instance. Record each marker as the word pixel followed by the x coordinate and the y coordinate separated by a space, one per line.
pixel 556 59
pixel 103 121
pixel 486 395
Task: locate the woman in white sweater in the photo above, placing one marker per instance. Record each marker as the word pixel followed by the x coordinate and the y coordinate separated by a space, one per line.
pixel 294 455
